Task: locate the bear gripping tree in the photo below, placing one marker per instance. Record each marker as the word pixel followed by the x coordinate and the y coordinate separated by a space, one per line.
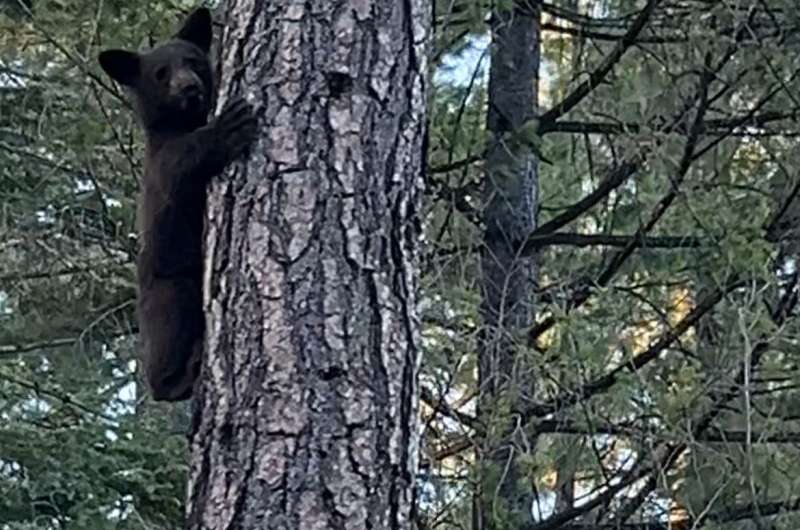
pixel 306 412
pixel 171 91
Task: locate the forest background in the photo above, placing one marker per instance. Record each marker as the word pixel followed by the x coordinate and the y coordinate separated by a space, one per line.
pixel 655 384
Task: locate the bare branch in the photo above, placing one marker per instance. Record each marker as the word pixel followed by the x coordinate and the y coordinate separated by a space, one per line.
pixel 597 76
pixel 608 240
pixel 570 397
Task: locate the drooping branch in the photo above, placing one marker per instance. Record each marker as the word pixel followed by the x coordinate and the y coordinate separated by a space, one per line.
pixel 614 179
pixel 597 76
pixel 570 397
pixel 608 240
pixel 716 127
pixel 49 274
pixel 711 126
pixel 442 407
pixel 658 211
pixel 7 350
pixel 63 397
pixel 720 399
pixel 459 444
pixel 732 514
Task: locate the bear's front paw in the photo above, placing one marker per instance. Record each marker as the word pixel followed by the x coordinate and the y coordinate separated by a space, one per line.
pixel 237 126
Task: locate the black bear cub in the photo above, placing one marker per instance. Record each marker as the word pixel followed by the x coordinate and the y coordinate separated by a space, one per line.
pixel 171 89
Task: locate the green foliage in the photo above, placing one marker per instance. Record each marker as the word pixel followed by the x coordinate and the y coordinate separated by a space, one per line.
pixel 78 446
pixel 609 305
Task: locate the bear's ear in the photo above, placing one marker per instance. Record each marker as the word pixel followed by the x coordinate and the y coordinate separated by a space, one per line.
pixel 197 29
pixel 122 66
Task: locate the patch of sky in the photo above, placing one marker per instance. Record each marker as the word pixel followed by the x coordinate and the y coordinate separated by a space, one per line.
pixel 5 304
pixel 11 75
pixel 470 60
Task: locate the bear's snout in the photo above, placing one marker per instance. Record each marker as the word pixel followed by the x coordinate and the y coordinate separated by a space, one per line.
pixel 187 85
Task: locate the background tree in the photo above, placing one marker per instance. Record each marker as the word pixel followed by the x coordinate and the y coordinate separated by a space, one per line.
pixel 510 195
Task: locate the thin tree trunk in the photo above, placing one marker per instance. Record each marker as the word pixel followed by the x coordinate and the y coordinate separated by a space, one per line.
pixel 306 415
pixel 510 198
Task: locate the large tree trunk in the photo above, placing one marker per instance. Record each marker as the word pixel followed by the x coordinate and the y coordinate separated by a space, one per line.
pixel 306 415
pixel 510 197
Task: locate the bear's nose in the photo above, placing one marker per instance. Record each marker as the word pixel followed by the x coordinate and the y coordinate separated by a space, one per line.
pixel 186 84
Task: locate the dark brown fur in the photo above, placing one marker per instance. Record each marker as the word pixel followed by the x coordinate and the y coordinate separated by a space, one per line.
pixel 171 89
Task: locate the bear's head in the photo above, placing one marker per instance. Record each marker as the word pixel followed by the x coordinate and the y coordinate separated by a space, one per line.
pixel 172 84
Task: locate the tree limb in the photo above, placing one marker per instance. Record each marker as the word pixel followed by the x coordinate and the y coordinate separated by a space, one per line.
pixel 597 76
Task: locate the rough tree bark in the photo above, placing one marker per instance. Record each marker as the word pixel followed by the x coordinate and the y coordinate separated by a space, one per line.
pixel 510 204
pixel 306 413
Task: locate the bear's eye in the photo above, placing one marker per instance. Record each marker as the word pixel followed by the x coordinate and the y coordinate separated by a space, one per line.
pixel 161 73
